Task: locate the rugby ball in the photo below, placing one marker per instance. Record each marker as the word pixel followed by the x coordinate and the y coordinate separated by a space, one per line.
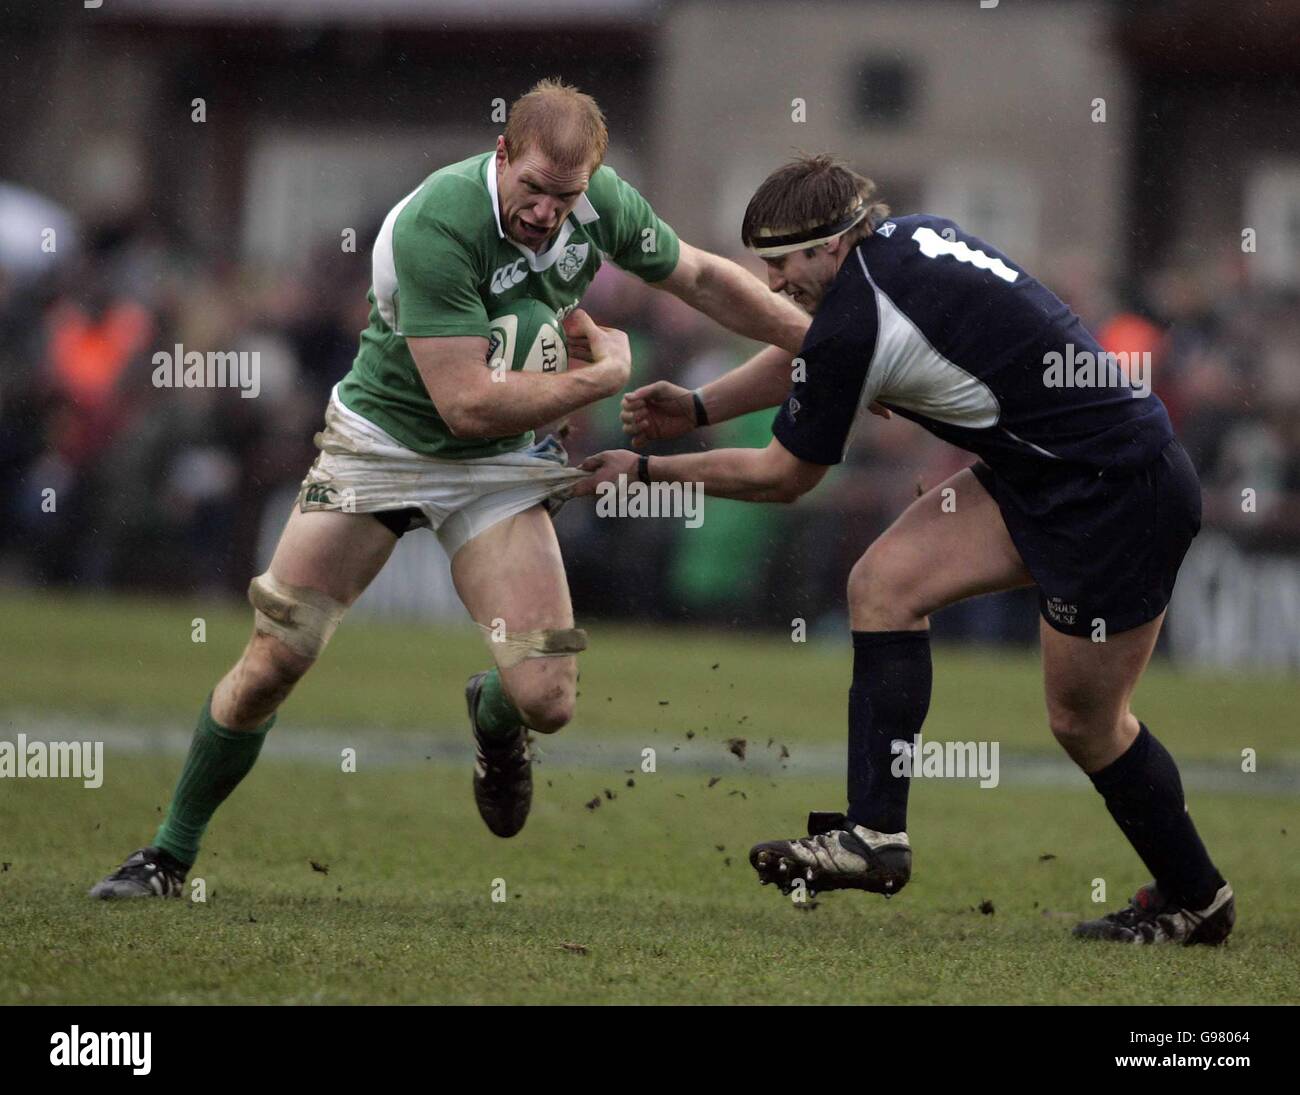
pixel 525 336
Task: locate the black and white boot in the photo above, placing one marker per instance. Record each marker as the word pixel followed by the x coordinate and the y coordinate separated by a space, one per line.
pixel 1151 918
pixel 503 772
pixel 150 872
pixel 835 855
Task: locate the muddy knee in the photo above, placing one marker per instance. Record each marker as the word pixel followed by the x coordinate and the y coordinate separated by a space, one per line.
pixel 259 682
pixel 546 698
pixel 270 667
pixel 300 618
pixel 292 625
pixel 541 671
pixel 549 713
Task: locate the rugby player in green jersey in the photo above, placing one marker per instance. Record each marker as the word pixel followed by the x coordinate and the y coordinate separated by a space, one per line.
pixel 421 434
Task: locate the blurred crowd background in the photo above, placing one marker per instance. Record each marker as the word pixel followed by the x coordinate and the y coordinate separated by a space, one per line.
pixel 211 241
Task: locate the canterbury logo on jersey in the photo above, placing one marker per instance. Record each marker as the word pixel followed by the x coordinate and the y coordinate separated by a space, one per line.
pixel 507 277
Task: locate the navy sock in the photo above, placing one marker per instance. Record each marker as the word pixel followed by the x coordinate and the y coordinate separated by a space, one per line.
pixel 1144 795
pixel 888 702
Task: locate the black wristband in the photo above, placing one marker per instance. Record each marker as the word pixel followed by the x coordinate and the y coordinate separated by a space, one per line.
pixel 643 468
pixel 701 415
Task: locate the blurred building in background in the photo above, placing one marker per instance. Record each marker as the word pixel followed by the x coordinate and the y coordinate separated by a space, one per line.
pixel 212 173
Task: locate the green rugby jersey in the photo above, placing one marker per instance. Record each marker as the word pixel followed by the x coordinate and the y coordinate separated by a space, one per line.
pixel 442 264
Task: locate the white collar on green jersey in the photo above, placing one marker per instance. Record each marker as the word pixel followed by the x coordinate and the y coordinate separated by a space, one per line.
pixel 584 213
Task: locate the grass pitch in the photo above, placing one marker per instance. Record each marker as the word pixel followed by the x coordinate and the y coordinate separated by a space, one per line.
pixel 377 886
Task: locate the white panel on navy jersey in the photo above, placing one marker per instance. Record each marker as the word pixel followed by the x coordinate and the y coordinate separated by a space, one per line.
pixel 943 328
pixel 907 371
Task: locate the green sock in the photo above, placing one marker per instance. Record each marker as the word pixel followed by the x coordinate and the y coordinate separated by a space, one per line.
pixel 498 719
pixel 218 759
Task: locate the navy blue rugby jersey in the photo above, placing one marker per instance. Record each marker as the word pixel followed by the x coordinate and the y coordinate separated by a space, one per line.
pixel 947 331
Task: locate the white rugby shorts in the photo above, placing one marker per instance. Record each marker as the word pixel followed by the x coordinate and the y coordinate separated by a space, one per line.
pixel 361 469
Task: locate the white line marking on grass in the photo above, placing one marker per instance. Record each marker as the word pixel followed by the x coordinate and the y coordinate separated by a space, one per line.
pixel 586 748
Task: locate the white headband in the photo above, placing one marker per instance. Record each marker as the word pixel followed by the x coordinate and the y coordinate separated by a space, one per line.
pixel 787 240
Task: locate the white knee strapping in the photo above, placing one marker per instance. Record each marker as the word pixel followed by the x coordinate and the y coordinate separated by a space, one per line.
pixel 511 648
pixel 303 619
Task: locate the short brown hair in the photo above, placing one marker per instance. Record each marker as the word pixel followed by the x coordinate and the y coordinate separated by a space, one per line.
pixel 560 122
pixel 808 191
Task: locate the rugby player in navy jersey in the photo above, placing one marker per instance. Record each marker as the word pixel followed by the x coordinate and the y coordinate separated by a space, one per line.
pixel 1080 489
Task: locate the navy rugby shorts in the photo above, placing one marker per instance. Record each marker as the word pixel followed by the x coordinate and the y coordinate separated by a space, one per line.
pixel 1102 546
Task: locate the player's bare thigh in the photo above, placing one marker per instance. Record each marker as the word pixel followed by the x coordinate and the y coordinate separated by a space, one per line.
pixel 334 553
pixel 950 544
pixel 513 572
pixel 1089 686
pixel 337 554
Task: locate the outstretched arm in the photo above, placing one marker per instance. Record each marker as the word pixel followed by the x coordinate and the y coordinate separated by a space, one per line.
pixel 773 474
pixel 663 410
pixel 740 302
pixel 730 295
